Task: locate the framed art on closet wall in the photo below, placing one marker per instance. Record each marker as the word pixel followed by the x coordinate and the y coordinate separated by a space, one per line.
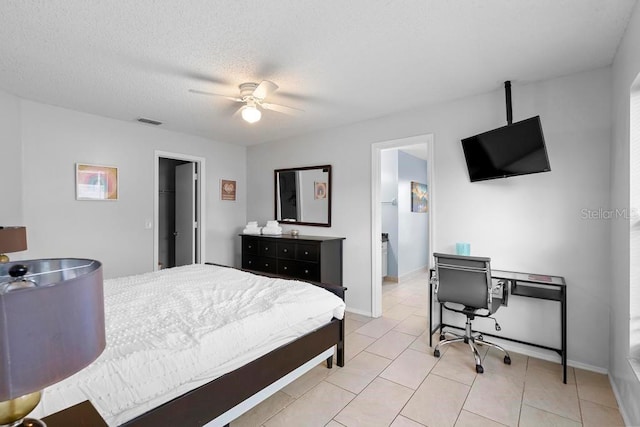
pixel 96 182
pixel 419 197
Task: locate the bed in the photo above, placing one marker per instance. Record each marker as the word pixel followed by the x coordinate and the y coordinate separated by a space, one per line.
pixel 201 344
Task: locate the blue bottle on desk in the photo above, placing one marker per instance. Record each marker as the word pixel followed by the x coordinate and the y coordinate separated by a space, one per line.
pixel 463 249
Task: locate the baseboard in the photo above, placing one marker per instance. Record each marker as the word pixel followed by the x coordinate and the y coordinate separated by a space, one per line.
pixel 410 275
pixel 356 311
pixel 621 409
pixel 634 362
pixel 587 367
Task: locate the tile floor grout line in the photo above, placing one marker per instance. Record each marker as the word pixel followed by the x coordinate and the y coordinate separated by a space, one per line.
pixel 407 402
pixel 575 379
pixel 524 384
pixel 466 397
pixel 414 391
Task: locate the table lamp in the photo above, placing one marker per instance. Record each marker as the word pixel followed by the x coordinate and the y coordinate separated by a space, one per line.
pixel 51 326
pixel 12 239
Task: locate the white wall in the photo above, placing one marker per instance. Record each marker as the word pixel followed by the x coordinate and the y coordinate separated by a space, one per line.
pixel 626 67
pixel 54 139
pixel 413 227
pixel 10 162
pixel 529 223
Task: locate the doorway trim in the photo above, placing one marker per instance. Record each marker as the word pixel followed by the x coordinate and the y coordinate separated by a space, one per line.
pixel 376 209
pixel 200 206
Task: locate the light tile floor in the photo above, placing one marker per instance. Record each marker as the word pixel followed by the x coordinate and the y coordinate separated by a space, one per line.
pixel 391 378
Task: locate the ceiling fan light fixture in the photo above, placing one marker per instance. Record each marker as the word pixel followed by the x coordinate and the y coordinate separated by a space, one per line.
pixel 251 114
pixel 253 95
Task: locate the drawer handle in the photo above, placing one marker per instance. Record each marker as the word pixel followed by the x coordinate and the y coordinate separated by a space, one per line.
pixel 306 272
pixel 306 253
pixel 266 265
pixel 285 251
pixel 250 246
pixel 250 262
pixel 285 268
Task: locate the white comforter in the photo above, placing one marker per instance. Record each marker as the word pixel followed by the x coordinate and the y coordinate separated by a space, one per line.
pixel 173 330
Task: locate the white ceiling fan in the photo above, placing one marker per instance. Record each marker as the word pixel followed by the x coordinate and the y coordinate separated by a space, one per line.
pixel 253 96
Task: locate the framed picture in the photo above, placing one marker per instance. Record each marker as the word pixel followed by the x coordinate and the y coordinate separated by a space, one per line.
pixel 227 190
pixel 419 197
pixel 319 190
pixel 95 182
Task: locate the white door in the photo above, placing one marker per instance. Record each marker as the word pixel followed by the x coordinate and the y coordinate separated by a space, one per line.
pixel 185 214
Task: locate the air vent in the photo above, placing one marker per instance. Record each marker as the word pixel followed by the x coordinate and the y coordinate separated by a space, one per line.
pixel 149 121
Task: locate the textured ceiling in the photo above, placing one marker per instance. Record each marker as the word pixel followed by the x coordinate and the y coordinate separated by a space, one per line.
pixel 340 61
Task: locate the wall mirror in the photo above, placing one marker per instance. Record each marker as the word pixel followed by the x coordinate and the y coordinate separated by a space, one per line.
pixel 303 195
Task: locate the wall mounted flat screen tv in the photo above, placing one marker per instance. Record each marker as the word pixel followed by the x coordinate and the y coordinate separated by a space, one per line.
pixel 515 149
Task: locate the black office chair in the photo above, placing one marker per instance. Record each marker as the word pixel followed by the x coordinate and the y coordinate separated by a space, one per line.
pixel 466 280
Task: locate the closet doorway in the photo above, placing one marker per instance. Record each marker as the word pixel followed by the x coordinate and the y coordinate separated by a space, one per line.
pixel 386 204
pixel 178 209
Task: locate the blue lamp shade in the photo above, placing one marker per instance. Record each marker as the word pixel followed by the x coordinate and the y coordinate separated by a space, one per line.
pixel 51 322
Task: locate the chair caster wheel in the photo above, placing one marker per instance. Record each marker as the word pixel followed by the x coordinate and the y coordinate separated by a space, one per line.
pixel 479 369
pixel 480 337
pixel 436 353
pixel 507 360
pixel 442 337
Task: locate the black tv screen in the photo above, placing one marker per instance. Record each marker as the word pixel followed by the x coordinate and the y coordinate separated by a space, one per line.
pixel 515 149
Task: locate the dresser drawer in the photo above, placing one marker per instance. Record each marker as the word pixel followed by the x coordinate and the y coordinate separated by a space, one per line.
pixel 268 265
pixel 250 262
pixel 286 250
pixel 308 271
pixel 307 252
pixel 259 263
pixel 288 267
pixel 250 245
pixel 267 248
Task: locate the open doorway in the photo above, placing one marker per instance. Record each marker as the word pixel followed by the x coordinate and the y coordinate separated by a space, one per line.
pixel 178 210
pixel 390 200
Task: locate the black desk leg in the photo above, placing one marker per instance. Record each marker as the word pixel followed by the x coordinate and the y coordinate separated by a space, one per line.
pixel 563 303
pixel 430 314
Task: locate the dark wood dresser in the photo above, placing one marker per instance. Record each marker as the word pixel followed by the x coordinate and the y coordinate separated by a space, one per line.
pixel 313 258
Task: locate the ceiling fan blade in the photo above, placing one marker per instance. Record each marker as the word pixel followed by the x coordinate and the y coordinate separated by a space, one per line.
pixel 281 108
pixel 200 92
pixel 264 89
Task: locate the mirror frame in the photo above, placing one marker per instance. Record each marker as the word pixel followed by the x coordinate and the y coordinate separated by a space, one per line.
pixel 275 196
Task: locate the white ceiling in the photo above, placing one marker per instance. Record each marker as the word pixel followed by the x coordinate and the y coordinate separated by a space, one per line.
pixel 340 61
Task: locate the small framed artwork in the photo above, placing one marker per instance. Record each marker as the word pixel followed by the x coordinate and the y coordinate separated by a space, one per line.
pixel 94 182
pixel 419 197
pixel 227 190
pixel 319 190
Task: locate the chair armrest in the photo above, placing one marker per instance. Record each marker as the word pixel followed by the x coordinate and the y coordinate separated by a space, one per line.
pixel 500 290
pixel 434 281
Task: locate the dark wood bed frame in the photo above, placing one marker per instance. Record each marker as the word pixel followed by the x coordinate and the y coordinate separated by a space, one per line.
pixel 207 402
